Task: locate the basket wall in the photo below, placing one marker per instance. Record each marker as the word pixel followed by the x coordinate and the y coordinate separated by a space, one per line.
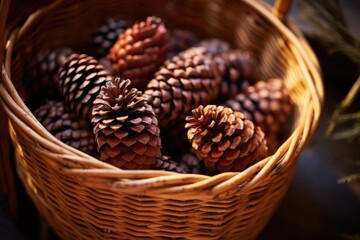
pixel 83 198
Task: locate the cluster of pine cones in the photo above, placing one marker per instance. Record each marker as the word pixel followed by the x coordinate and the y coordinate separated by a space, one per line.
pixel 153 98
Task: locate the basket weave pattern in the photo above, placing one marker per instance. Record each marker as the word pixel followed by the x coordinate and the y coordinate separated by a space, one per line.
pixel 83 198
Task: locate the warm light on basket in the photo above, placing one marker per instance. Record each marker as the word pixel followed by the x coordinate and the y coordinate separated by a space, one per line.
pixel 84 198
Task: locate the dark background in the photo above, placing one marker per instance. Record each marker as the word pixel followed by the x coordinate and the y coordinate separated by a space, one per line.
pixel 315 207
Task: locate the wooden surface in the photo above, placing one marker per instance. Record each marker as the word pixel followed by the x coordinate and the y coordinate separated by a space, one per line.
pixel 315 207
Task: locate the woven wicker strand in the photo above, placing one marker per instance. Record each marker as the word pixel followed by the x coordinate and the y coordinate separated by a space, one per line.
pixel 83 198
pixel 7 180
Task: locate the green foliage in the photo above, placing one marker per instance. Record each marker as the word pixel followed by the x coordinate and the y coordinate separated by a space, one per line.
pixel 332 30
pixel 349 178
pixel 327 16
pixel 345 125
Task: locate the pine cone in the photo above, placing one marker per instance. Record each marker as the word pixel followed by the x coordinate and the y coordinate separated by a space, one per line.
pixel 214 46
pixel 267 104
pixel 106 35
pixel 184 82
pixel 139 51
pixel 191 163
pixel 81 78
pixel 43 81
pixel 125 127
pixel 237 69
pixel 165 163
pixel 180 40
pixel 66 126
pixel 224 139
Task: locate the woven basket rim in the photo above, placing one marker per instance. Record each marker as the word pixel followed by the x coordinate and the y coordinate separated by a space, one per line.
pixel 157 181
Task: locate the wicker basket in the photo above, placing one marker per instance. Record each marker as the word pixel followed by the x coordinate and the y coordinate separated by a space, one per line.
pixel 83 198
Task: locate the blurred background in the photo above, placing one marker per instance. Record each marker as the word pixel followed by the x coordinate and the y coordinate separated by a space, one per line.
pixel 322 203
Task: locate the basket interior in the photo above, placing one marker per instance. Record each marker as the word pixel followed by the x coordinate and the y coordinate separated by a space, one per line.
pixel 71 24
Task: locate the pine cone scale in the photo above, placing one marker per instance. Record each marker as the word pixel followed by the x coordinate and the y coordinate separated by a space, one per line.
pixel 106 35
pixel 139 51
pixel 121 112
pixel 184 82
pixel 66 126
pixel 42 74
pixel 113 141
pixel 266 103
pixel 229 138
pixel 81 77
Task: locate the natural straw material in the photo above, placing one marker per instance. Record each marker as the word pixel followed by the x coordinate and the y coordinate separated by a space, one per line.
pixel 83 198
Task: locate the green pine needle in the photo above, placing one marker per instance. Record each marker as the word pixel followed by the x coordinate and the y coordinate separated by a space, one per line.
pixel 332 30
pixel 349 178
pixel 350 133
pixel 345 104
pixel 327 16
pixel 348 117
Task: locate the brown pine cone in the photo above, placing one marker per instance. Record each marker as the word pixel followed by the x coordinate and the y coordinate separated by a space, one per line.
pixel 188 163
pixel 267 104
pixel 81 78
pixel 225 140
pixel 191 163
pixel 139 51
pixel 165 163
pixel 237 69
pixel 180 40
pixel 66 126
pixel 184 82
pixel 125 127
pixel 106 35
pixel 43 81
pixel 214 46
